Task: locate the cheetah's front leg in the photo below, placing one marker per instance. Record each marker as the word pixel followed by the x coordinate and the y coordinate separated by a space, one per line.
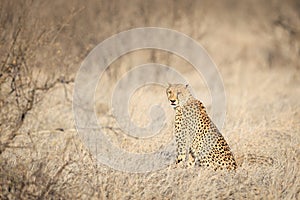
pixel 191 160
pixel 180 137
pixel 181 157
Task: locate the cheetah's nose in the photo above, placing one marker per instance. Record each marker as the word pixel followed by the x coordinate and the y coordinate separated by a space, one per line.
pixel 172 101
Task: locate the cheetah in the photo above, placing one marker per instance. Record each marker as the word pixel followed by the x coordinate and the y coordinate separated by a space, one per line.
pixel 198 139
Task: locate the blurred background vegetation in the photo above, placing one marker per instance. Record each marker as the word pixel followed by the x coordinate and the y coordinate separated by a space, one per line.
pixel 254 43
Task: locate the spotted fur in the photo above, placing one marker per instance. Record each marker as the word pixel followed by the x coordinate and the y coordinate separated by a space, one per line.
pixel 198 139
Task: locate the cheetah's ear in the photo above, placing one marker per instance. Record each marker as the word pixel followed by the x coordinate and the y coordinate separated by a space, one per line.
pixel 166 85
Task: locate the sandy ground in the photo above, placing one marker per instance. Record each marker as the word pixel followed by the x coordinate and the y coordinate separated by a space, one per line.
pixel 255 46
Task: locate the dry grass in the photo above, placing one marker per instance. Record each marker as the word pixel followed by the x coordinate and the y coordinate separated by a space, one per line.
pixel 255 45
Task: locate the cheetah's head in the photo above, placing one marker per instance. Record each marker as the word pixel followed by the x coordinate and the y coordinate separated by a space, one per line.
pixel 178 94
